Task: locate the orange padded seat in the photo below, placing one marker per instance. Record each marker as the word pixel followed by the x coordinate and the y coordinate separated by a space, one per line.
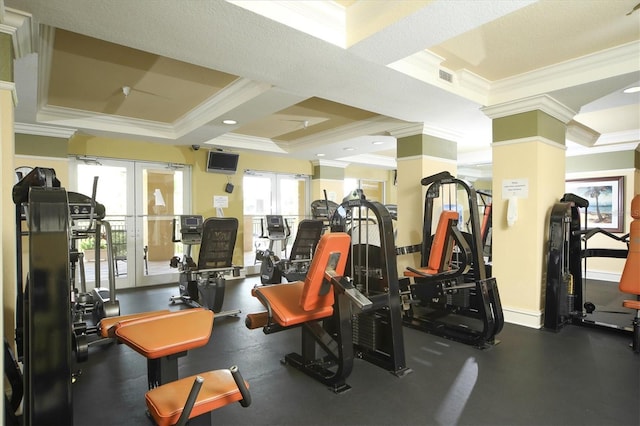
pixel 107 324
pixel 155 336
pixel 441 246
pixel 298 302
pixel 630 279
pixel 165 403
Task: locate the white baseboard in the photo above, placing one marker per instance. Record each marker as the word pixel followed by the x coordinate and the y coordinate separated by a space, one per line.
pixel 524 317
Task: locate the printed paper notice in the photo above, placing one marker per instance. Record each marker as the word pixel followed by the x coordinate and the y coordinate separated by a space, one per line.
pixel 220 201
pixel 518 188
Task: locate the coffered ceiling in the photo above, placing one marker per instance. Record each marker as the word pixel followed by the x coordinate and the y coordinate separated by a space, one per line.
pixel 324 78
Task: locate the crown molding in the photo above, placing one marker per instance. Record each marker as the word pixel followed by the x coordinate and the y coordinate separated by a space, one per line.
pixel 372 160
pixel 237 93
pixel 329 163
pixel 426 129
pixel 632 136
pixel 106 123
pixel 607 63
pixel 234 140
pixel 370 126
pixel 544 103
pixel 426 66
pixel 20 26
pixel 581 134
pixel 40 130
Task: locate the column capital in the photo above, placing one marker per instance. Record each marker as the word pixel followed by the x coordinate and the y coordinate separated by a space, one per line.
pixel 413 129
pixel 544 103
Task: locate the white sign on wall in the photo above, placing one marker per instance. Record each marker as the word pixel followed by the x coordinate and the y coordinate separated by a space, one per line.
pixel 518 188
pixel 220 201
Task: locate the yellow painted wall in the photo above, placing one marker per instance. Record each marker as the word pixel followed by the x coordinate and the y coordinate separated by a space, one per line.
pixel 7 216
pixel 518 251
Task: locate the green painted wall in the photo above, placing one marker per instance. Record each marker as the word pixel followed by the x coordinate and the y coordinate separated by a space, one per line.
pixel 328 172
pixel 6 57
pixel 432 146
pixel 604 161
pixel 528 124
pixel 41 146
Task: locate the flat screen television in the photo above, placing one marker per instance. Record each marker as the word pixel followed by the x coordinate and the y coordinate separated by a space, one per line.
pixel 222 162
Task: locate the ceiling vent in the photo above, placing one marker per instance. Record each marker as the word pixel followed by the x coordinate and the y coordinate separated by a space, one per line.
pixel 446 76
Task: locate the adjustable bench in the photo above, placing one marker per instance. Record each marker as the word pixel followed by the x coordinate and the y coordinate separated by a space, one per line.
pixel 324 295
pixel 162 339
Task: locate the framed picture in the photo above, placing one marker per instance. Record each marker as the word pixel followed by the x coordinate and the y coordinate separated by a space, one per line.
pixel 606 201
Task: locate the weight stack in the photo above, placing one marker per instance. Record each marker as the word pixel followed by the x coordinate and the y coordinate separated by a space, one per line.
pixel 366 330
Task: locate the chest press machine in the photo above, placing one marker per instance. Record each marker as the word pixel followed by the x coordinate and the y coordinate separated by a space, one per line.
pixel 203 284
pixel 450 294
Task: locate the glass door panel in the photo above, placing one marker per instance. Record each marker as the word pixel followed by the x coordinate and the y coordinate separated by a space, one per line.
pixel 113 192
pixel 141 200
pixel 270 193
pixel 161 197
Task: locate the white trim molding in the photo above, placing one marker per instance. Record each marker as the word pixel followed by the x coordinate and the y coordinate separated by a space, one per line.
pixel 524 317
pixel 40 130
pixel 544 103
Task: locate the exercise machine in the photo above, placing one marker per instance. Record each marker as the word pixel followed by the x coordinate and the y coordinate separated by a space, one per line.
pixel 278 233
pixel 295 267
pixel 323 210
pixel 372 267
pixel 451 293
pixel 202 284
pixel 322 306
pixel 162 338
pixel 46 303
pixel 566 298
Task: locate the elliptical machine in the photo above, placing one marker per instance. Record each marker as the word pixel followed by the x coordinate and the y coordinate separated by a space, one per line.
pixel 278 232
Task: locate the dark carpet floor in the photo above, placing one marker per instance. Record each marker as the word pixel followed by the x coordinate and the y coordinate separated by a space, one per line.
pixel 578 376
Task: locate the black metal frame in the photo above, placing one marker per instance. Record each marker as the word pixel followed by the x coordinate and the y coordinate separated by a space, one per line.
pixel 472 296
pixel 203 285
pixel 565 287
pixel 377 332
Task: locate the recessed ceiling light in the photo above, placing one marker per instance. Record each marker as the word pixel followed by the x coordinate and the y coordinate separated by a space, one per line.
pixel 349 149
pixel 229 122
pixel 377 143
pixel 633 89
pixel 320 155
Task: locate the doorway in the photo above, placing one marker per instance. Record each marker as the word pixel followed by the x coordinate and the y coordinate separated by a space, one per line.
pixel 272 194
pixel 141 199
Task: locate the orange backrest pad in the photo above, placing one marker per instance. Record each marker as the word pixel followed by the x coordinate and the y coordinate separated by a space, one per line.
pixel 485 221
pixel 331 243
pixel 437 254
pixel 630 279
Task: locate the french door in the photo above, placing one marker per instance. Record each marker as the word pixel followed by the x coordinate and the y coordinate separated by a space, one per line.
pixel 141 199
pixel 272 194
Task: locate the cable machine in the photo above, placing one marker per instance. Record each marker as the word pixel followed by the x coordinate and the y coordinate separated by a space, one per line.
pixel 377 332
pixel 565 295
